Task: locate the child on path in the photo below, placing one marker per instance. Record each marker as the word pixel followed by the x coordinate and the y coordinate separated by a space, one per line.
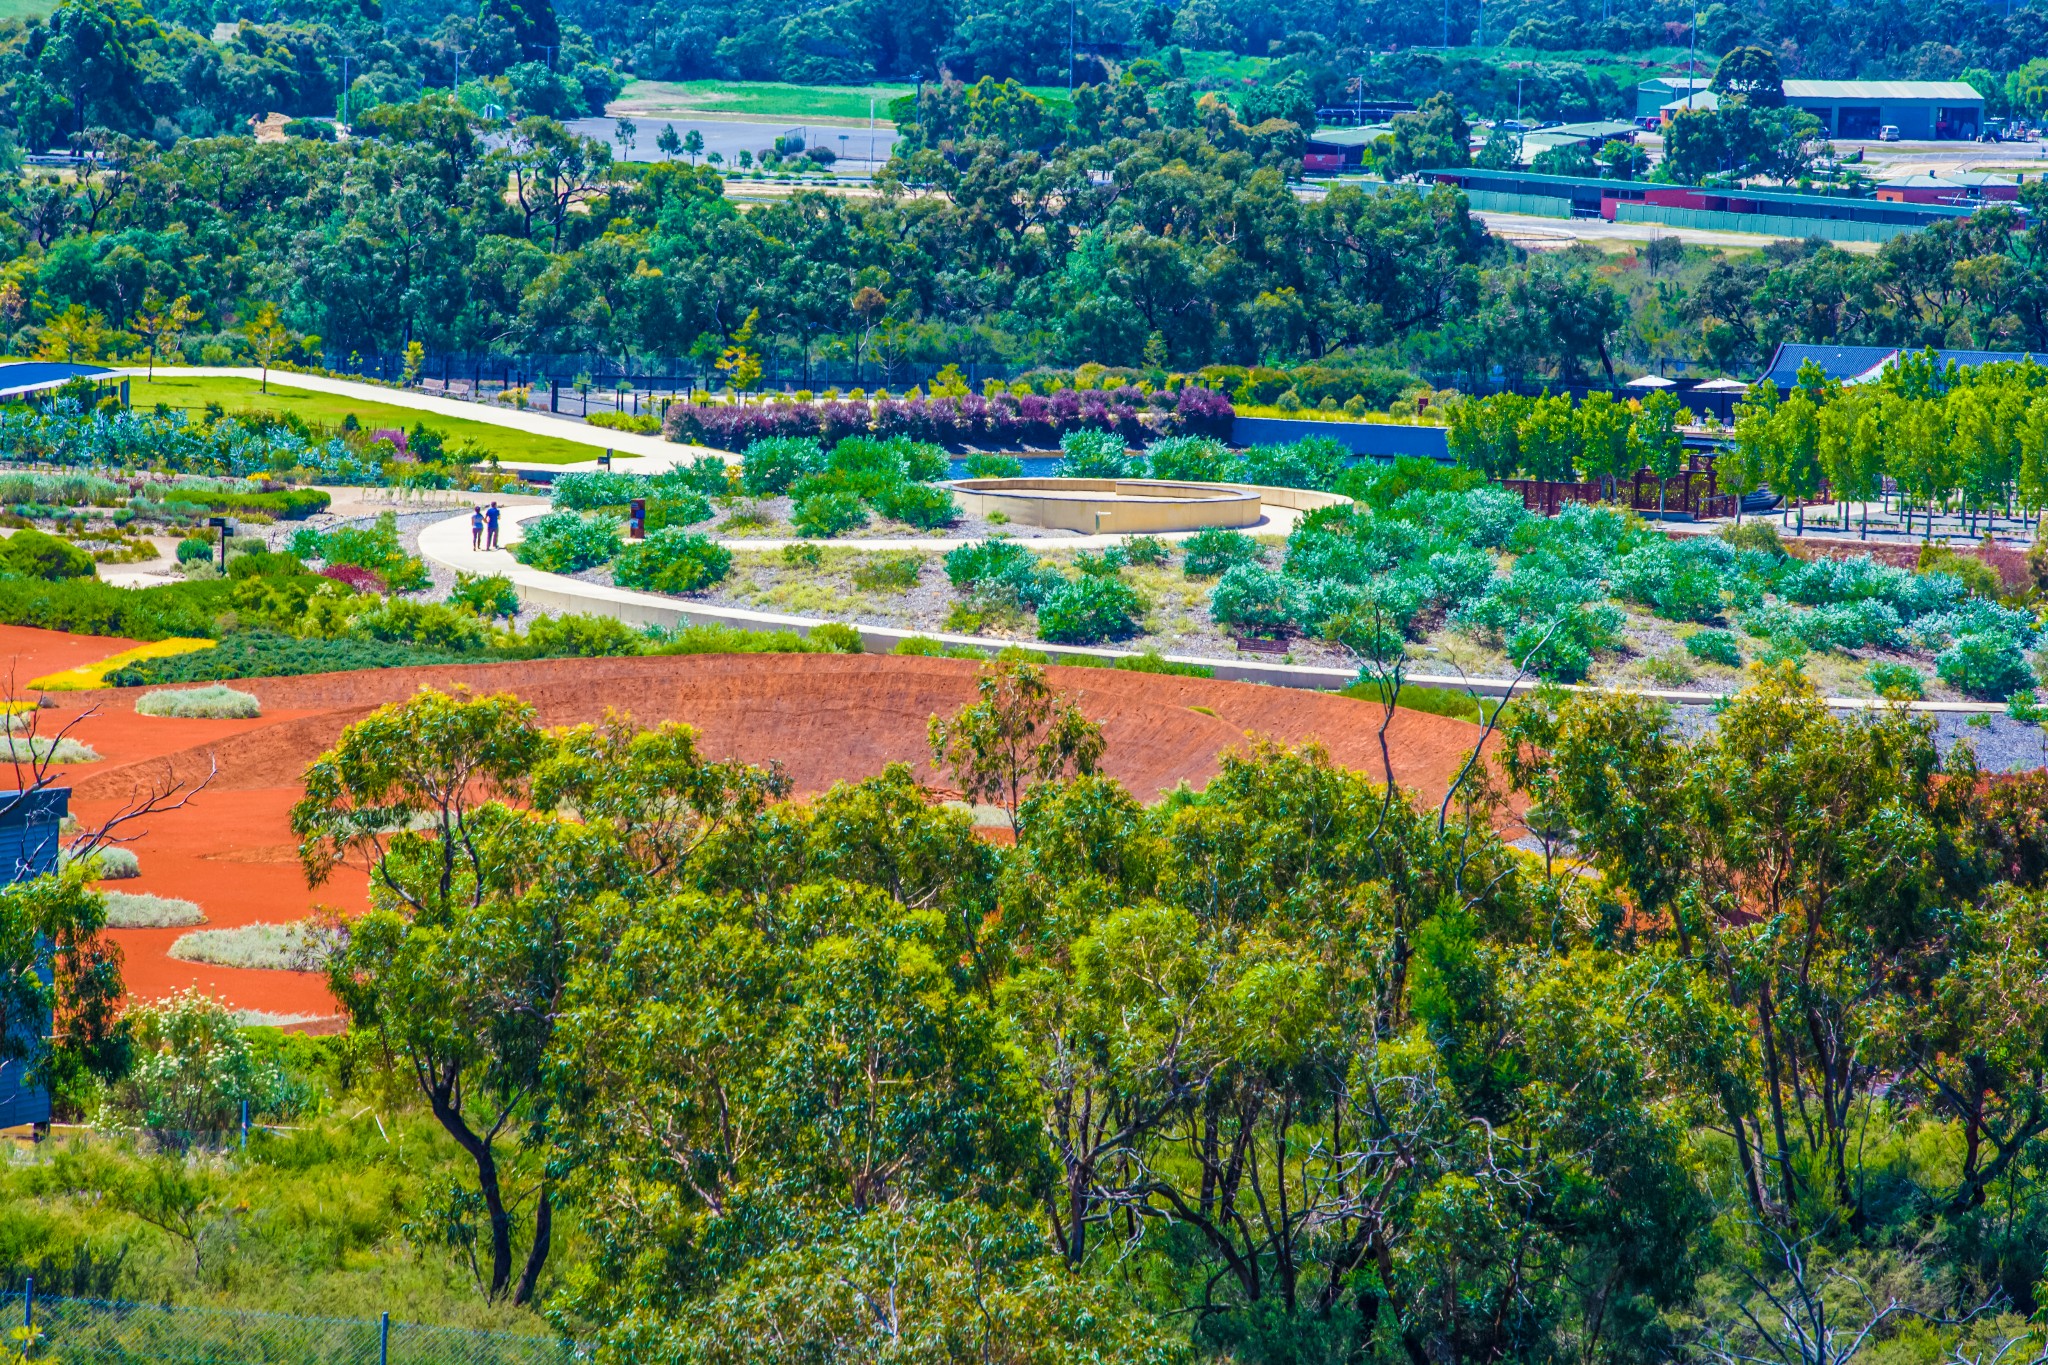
pixel 476 528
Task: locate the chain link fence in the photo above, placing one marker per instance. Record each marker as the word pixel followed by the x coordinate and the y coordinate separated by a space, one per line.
pixel 96 1332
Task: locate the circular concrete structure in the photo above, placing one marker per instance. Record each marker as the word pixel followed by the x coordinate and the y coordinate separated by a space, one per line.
pixel 1128 506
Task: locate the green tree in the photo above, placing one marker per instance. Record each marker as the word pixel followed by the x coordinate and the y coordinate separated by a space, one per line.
pixel 1750 74
pixel 1486 433
pixel 1436 134
pixel 1020 731
pixel 1603 437
pixel 161 324
pixel 1550 439
pixel 1795 447
pixel 1656 440
pixel 268 339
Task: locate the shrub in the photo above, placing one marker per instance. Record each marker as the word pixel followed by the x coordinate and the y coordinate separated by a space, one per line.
pixel 705 477
pixel 200 703
pixel 111 864
pixel 1253 599
pixel 770 466
pixel 920 505
pixel 194 550
pixel 1714 647
pixel 582 636
pixel 824 515
pixel 262 563
pixel 140 910
pixel 32 554
pixel 838 638
pixel 431 624
pixel 358 579
pixel 1002 575
pixel 1146 550
pixel 375 547
pixel 1089 609
pixel 268 654
pixel 1978 578
pixel 673 560
pixel 490 596
pixel 800 554
pixel 1151 661
pixel 584 491
pixel 1315 462
pixel 644 423
pixel 563 542
pixel 686 509
pixel 195 1069
pixel 716 639
pixel 985 466
pixel 298 947
pixel 967 565
pixel 1095 455
pixel 1668 670
pixel 1984 664
pixel 1895 682
pixel 888 572
pixel 1567 655
pixel 1213 551
pixel 924 647
pixel 1109 563
pixel 43 749
pixel 1758 536
pixel 1197 459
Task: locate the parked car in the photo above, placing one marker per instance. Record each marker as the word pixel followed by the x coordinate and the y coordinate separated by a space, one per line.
pixel 1888 133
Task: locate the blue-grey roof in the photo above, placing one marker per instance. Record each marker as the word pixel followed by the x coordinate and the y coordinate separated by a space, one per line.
pixel 1847 362
pixel 29 826
pixel 28 375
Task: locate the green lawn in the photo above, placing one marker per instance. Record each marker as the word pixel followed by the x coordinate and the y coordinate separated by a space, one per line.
pixel 758 99
pixel 245 395
pixel 26 9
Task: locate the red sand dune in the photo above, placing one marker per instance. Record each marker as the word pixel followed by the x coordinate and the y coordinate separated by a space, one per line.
pixel 828 718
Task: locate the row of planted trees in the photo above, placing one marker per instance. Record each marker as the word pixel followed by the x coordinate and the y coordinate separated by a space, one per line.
pixel 1930 438
pixel 1938 438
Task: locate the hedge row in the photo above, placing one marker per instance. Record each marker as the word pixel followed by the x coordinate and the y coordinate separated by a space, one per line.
pixel 1006 419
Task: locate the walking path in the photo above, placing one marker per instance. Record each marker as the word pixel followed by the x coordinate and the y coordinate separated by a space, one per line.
pixel 447 543
pixel 647 454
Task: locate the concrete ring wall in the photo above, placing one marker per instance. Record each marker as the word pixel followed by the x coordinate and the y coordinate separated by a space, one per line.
pixel 1128 506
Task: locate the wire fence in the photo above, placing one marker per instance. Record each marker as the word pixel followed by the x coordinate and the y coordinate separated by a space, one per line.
pixel 96 1332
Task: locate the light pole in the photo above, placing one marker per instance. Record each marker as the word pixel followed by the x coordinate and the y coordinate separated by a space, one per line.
pixel 344 92
pixel 1692 60
pixel 1070 48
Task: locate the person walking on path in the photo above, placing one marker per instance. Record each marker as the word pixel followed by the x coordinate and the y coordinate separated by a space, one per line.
pixel 491 527
pixel 476 528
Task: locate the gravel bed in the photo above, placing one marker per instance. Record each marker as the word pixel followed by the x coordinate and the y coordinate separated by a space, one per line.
pixel 776 514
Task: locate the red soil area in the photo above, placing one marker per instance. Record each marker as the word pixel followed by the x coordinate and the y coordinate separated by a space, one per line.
pixel 827 718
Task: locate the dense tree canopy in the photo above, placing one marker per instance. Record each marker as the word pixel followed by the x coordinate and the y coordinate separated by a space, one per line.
pixel 1288 1069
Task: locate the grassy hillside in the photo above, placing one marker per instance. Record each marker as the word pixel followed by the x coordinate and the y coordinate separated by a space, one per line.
pixel 245 395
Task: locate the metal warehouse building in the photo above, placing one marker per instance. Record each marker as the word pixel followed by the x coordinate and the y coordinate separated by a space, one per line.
pixel 1921 110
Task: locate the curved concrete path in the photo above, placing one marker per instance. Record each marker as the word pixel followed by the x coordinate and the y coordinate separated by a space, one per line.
pixel 648 454
pixel 447 543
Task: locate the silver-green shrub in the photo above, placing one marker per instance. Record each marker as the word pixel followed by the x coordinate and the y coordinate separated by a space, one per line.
pixel 216 702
